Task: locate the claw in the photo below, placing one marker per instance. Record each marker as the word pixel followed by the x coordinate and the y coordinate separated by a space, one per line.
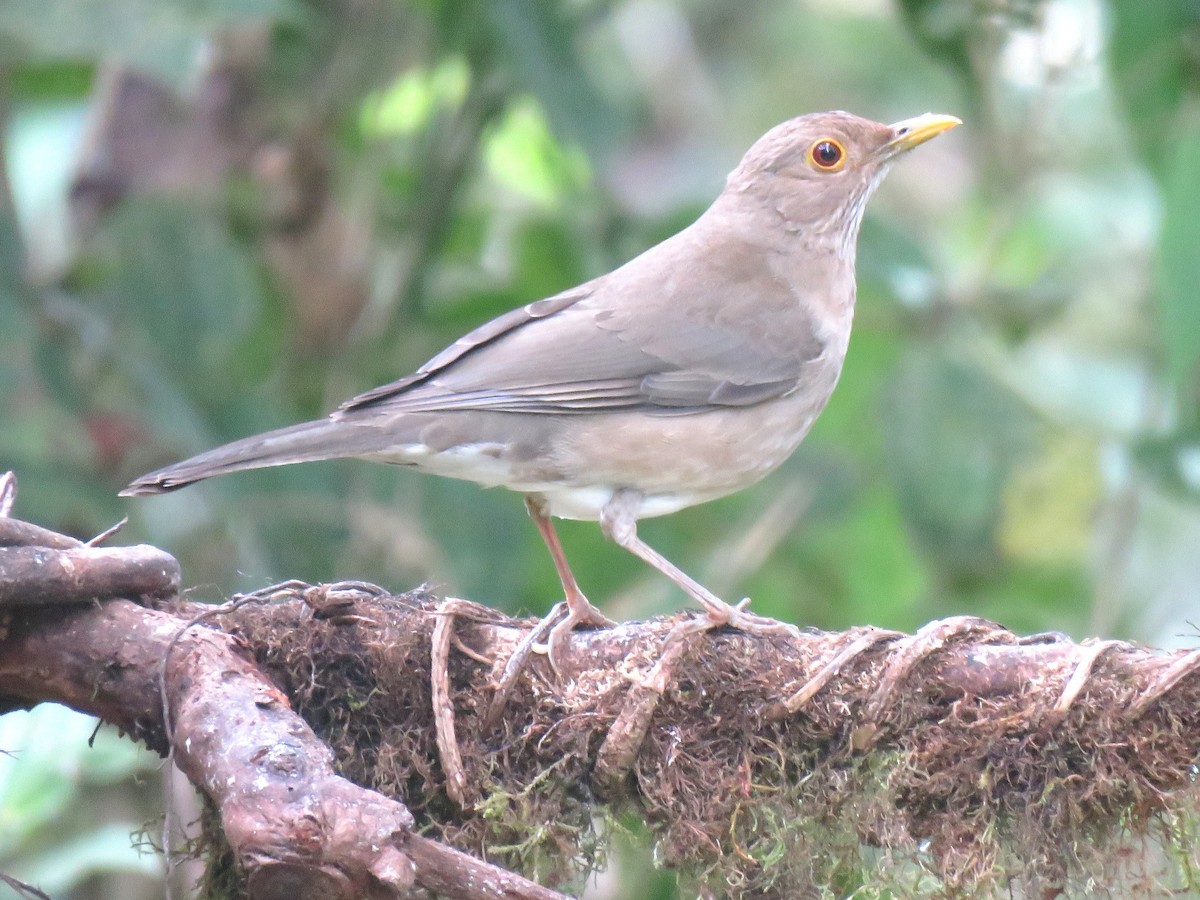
pixel 555 632
pixel 577 615
pixel 739 617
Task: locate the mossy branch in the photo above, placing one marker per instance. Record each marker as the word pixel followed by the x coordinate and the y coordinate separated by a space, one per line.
pixel 331 725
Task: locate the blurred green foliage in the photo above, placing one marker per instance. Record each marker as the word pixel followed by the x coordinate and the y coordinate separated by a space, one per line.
pixel 65 815
pixel 221 217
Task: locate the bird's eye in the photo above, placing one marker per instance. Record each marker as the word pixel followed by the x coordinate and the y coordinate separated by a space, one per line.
pixel 827 154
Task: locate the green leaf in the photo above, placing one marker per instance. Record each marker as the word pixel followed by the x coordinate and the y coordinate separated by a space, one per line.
pixel 539 46
pixel 1171 462
pixel 548 260
pixel 523 155
pixel 944 28
pixel 1153 64
pixel 53 81
pixel 410 102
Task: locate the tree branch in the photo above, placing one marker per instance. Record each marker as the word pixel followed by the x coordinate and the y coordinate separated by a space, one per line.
pixel 322 722
pixel 289 818
pixel 296 827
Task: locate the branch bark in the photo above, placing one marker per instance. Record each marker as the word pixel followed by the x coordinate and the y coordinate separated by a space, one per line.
pixel 296 827
pixel 975 727
pixel 37 575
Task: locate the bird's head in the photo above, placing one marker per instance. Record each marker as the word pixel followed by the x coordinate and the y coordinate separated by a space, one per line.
pixel 818 170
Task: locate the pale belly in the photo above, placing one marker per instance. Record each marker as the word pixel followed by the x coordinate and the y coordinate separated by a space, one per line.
pixel 672 461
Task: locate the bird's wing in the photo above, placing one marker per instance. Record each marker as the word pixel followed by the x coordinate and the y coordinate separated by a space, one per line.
pixel 487 333
pixel 589 350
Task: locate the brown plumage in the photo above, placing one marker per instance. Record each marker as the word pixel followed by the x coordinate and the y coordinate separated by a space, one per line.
pixel 686 374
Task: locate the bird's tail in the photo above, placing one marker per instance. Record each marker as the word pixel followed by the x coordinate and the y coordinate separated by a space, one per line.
pixel 307 442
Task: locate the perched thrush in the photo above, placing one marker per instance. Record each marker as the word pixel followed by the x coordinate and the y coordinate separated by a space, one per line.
pixel 686 374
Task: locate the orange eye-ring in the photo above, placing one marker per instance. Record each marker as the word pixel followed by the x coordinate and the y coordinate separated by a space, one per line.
pixel 827 154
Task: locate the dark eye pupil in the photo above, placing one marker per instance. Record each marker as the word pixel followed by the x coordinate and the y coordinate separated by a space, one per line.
pixel 827 153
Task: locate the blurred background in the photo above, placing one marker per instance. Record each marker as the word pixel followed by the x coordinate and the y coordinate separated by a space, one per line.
pixel 222 217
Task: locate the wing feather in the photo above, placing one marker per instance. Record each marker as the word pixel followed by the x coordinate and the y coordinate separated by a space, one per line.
pixel 588 350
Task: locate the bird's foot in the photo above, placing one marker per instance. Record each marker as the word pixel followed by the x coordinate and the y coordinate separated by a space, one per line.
pixel 719 614
pixel 577 614
pixel 547 637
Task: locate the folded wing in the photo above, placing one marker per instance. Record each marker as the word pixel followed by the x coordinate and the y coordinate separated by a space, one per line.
pixel 568 354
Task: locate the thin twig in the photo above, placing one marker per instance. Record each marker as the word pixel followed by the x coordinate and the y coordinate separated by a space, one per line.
pixel 8 493
pixel 107 532
pixel 1180 668
pixel 516 663
pixel 906 655
pixel 1089 653
pixel 855 648
pixel 624 739
pixel 443 706
pixel 25 890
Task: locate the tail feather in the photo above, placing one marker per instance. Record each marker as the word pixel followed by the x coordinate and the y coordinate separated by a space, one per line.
pixel 307 442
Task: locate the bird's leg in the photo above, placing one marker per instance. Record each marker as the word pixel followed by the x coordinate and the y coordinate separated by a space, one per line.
pixel 555 626
pixel 579 609
pixel 618 520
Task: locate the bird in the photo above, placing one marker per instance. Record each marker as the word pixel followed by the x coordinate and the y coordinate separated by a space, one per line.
pixel 688 373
